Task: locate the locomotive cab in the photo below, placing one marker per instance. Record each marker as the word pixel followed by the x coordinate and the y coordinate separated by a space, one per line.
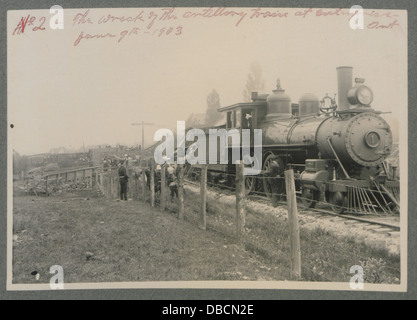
pixel 243 115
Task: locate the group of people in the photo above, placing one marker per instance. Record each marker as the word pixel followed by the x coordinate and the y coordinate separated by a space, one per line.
pixel 171 178
pixel 109 162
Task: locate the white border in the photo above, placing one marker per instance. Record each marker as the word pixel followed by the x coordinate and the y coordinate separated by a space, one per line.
pixel 287 285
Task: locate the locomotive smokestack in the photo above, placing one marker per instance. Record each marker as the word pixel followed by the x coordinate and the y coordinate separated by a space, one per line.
pixel 344 84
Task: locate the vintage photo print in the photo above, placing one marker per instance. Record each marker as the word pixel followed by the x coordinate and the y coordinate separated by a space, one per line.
pixel 207 147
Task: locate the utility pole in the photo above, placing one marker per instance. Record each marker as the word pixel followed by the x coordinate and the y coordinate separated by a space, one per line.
pixel 143 124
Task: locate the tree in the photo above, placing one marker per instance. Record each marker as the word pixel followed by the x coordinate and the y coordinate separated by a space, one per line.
pixel 213 103
pixel 20 163
pixel 254 81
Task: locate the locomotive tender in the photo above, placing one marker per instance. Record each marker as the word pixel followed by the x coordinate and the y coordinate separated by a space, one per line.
pixel 337 150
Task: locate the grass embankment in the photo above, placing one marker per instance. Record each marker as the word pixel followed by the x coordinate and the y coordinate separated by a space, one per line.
pixel 99 240
pixel 326 256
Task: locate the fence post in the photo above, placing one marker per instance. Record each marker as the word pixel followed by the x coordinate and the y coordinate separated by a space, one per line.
pixel 103 184
pixel 203 195
pixel 108 186
pixel 46 185
pixel 293 224
pixel 152 174
pixel 181 192
pixel 114 190
pixel 163 187
pixel 58 176
pixel 143 184
pixel 111 187
pixel 133 189
pixel 117 186
pixel 240 201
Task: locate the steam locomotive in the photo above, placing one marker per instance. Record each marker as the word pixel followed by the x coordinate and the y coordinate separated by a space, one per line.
pixel 337 150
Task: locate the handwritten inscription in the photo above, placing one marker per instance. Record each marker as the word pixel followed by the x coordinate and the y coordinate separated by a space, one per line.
pixel 82 18
pixel 142 17
pixel 133 31
pixel 94 36
pixel 378 25
pixel 162 22
pixel 240 15
pixel 112 18
pixel 27 22
pixel 144 21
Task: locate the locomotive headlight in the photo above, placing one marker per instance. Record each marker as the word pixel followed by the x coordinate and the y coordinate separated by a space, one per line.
pixel 360 95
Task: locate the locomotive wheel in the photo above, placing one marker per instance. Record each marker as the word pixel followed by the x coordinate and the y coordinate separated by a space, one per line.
pixel 309 197
pixel 274 187
pixel 249 184
pixel 338 202
pixel 250 181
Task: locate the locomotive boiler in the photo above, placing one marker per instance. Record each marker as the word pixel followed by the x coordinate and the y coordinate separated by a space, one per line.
pixel 338 150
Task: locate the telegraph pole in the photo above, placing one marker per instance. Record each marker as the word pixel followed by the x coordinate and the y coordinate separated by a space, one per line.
pixel 143 124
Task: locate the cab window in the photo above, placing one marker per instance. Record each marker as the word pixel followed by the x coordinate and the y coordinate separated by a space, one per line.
pixel 231 119
pixel 247 119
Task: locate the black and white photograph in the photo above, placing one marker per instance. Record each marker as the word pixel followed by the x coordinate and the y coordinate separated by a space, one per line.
pixel 207 148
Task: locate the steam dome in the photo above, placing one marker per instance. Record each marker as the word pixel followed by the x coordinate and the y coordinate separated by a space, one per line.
pixel 279 103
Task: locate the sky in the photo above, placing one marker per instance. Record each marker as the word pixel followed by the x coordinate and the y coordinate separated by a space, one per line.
pixel 67 93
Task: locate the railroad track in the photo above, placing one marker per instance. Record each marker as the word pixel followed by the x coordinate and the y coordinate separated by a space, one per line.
pixel 371 223
pixel 364 221
pixel 394 227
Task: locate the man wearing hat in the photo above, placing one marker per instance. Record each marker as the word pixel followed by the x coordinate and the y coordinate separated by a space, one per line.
pixel 123 178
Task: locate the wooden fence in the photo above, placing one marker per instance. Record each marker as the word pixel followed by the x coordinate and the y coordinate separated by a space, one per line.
pixel 108 183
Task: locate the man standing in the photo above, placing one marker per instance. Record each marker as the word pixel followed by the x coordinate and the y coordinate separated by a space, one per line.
pixel 123 178
pixel 172 182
